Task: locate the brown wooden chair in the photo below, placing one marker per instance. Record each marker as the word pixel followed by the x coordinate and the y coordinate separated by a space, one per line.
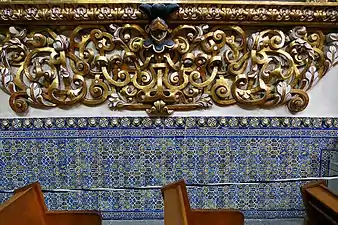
pixel 177 209
pixel 321 204
pixel 27 207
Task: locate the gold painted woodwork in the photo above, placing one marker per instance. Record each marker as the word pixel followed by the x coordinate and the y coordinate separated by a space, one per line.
pixel 225 53
pixel 198 11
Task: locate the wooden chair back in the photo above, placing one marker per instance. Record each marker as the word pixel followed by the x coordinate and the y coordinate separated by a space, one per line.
pixel 321 204
pixel 27 207
pixel 37 188
pixel 24 207
pixel 176 204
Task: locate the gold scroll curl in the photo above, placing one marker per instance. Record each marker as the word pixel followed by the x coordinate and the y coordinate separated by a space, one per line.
pixel 207 65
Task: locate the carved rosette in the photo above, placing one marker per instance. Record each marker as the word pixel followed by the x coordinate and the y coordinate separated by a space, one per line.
pixel 160 67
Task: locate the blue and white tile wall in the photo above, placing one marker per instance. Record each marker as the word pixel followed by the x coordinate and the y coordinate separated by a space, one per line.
pixel 124 154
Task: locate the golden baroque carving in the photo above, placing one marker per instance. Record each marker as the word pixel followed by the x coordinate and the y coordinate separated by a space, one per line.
pixel 225 11
pixel 160 69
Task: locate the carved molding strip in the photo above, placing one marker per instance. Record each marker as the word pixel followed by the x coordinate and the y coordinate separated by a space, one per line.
pixel 161 68
pixel 298 123
pixel 225 11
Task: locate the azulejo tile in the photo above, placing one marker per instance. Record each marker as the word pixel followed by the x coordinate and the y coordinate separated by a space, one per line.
pixel 173 122
pixel 132 152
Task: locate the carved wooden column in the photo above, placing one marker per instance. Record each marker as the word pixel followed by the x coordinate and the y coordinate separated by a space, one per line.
pixel 164 57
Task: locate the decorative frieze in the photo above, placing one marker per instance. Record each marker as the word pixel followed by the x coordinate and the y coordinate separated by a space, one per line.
pixel 164 66
pixel 225 11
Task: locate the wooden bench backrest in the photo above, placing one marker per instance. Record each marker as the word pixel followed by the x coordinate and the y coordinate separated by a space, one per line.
pixel 23 208
pixel 176 204
pixel 320 203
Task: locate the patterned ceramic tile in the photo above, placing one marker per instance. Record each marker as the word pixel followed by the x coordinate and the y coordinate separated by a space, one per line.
pixel 127 153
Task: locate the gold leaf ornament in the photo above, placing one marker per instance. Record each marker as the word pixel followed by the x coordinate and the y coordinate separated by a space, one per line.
pixel 161 67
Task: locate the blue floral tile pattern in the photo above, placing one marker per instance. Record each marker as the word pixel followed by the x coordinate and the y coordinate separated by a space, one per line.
pixel 127 153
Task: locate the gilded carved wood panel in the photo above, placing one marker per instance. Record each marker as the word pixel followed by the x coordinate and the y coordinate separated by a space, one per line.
pixel 165 57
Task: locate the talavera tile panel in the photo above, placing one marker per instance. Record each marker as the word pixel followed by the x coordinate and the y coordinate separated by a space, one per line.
pixel 124 154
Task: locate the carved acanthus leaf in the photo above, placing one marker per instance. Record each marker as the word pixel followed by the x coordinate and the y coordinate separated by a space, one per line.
pixel 197 66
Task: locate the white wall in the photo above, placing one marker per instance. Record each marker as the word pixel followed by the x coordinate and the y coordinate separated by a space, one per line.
pixel 323 103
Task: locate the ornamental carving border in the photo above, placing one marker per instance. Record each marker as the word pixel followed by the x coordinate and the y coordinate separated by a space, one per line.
pixel 231 11
pixel 160 67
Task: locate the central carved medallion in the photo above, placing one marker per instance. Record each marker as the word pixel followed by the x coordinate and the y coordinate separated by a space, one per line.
pixel 158 29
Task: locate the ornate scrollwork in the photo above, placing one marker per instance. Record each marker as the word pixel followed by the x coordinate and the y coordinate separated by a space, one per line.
pixel 244 11
pixel 161 68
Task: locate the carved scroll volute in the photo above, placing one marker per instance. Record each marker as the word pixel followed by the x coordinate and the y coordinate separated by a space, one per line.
pixel 161 67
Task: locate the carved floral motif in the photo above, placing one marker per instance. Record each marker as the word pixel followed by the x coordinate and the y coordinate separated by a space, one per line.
pixel 159 33
pixel 234 11
pixel 224 65
pixel 161 68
